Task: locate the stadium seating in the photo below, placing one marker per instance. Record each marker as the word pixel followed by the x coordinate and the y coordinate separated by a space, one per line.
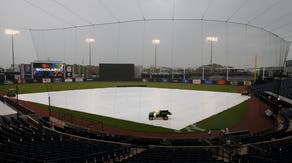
pixel 271 151
pixel 279 87
pixel 187 155
pixel 22 142
pixel 273 146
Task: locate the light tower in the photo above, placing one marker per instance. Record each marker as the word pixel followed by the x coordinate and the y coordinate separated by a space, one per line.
pixel 155 42
pixel 12 33
pixel 211 40
pixel 89 41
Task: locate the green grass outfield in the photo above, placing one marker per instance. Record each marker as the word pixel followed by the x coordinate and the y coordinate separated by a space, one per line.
pixel 227 118
pixel 39 87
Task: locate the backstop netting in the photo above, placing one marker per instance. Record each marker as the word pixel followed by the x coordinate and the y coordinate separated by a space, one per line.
pixel 183 44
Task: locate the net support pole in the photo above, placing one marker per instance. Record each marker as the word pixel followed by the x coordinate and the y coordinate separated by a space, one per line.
pixel 255 69
pixel 49 98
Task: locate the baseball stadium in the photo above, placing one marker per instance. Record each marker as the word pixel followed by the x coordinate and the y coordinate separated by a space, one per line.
pixel 146 81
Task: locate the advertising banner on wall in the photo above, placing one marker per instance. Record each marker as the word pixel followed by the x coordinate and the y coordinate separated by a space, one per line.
pixel 46 80
pixel 27 72
pixel 209 82
pixel 27 69
pixel 221 82
pixel 68 80
pixel 196 81
pixel 78 79
pixel 69 71
pixel 57 80
pixel 185 81
pixel 247 83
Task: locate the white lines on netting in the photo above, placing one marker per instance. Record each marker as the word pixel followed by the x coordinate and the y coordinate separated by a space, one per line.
pixel 49 13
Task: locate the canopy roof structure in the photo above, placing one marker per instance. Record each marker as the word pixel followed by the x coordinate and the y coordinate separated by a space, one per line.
pixel 271 15
pixel 125 23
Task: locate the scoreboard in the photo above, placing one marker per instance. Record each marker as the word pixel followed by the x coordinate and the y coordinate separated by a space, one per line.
pixel 48 70
pixel 116 72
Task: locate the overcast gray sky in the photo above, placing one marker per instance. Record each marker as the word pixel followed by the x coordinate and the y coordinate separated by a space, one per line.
pixel 175 22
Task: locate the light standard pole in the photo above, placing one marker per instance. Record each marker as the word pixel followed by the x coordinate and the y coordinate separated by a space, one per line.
pixel 203 72
pixel 89 41
pixel 211 40
pixel 12 33
pixel 155 42
pixel 184 72
pixel 49 99
pixel 184 77
pixel 227 71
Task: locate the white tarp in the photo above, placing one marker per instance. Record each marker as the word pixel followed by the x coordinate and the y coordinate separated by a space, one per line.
pixel 134 104
pixel 6 110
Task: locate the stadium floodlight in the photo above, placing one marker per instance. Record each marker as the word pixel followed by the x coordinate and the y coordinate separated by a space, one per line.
pixel 12 33
pixel 155 42
pixel 211 40
pixel 89 41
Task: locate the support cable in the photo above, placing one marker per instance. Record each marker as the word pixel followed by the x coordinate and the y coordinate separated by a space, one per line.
pixel 280 18
pixel 49 13
pixel 264 11
pixel 237 10
pixel 206 11
pixel 34 44
pixel 109 11
pixel 72 12
pixel 140 9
